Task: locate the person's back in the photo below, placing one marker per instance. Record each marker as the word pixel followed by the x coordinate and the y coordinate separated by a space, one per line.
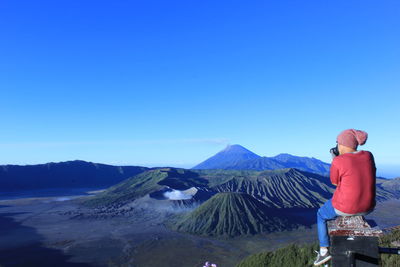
pixel 354 175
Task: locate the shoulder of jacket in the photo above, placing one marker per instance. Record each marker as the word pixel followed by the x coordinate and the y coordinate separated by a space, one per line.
pixel 366 152
pixel 336 160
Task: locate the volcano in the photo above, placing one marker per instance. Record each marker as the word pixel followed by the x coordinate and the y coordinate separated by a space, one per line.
pixel 231 214
pixel 230 156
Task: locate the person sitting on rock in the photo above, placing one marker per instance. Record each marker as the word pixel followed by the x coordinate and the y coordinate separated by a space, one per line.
pixel 354 174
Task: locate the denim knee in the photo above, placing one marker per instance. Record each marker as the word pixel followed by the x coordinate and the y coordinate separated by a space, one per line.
pixel 319 213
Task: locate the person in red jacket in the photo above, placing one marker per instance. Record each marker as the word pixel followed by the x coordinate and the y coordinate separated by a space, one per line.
pixel 354 174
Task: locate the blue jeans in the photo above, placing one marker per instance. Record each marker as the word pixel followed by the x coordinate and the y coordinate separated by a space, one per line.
pixel 325 213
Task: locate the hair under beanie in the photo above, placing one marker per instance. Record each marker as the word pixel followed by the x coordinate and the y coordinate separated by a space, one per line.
pixel 352 138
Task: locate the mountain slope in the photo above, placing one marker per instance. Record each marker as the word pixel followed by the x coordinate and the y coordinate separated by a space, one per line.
pixel 149 182
pixel 69 174
pixel 231 214
pixel 285 188
pixel 303 163
pixel 231 155
pixel 259 164
pixel 392 186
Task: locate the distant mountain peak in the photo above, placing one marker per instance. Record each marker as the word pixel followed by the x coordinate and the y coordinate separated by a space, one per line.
pixel 236 149
pixel 284 154
pixel 229 156
pixel 237 157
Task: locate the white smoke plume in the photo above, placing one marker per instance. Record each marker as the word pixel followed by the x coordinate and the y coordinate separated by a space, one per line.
pixel 177 195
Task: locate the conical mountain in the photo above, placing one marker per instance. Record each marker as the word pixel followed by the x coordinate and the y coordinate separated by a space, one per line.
pixel 231 214
pixel 230 156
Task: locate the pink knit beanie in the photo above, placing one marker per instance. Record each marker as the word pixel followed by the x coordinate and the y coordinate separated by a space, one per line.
pixel 352 138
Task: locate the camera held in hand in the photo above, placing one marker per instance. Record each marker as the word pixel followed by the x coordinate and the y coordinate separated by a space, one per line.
pixel 334 151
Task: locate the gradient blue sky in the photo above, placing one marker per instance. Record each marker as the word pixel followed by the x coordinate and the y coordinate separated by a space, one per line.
pixel 159 83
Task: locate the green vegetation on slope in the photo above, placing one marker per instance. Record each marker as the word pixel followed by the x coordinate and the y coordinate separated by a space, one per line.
pixel 389 240
pixel 129 189
pixel 304 255
pixel 292 255
pixel 231 214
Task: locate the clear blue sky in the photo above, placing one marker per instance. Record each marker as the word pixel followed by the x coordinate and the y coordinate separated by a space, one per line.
pixel 173 82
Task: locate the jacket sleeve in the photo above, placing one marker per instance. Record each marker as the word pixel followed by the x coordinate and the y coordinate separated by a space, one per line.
pixel 334 174
pixel 373 164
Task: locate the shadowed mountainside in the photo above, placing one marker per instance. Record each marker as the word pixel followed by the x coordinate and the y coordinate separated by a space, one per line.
pixel 70 174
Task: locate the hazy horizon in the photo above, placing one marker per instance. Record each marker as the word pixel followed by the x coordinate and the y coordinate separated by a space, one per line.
pixel 386 171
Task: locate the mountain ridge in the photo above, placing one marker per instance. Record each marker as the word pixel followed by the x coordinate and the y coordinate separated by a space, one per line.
pixel 307 190
pixel 232 158
pixel 67 174
pixel 275 194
